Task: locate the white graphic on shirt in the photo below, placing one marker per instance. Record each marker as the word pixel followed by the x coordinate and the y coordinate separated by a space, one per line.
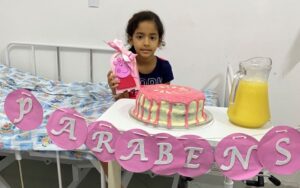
pixel 151 81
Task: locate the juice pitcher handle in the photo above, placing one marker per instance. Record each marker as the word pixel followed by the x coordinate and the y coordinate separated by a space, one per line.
pixel 235 83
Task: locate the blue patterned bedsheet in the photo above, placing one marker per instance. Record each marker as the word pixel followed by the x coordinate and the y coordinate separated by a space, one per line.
pixel 89 99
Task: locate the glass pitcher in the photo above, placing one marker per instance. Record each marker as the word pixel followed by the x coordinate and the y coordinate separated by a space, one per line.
pixel 249 101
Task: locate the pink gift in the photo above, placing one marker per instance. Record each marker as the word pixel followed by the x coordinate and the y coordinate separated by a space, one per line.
pixel 123 65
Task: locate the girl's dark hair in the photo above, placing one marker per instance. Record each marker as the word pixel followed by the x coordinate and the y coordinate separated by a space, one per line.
pixel 134 21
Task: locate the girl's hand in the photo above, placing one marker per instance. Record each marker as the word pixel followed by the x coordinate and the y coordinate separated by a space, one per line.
pixel 113 81
pixel 125 94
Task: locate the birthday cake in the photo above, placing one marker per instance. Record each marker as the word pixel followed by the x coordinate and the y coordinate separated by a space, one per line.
pixel 170 106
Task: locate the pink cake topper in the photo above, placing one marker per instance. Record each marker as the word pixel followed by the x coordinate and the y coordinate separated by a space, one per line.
pixel 172 93
pixel 23 109
pixel 123 65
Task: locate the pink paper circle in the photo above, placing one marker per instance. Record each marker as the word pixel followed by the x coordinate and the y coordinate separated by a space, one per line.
pixel 102 126
pixel 268 155
pixel 135 164
pixel 242 142
pixel 63 140
pixel 30 120
pixel 205 159
pixel 177 152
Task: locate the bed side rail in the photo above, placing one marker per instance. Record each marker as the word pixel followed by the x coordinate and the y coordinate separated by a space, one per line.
pixel 58 48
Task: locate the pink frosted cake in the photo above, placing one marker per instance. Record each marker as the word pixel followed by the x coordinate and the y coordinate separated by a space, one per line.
pixel 171 106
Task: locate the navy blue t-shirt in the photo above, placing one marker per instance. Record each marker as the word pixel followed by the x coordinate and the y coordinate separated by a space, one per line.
pixel 161 74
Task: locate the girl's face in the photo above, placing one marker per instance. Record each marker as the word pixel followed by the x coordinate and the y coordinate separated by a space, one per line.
pixel 145 39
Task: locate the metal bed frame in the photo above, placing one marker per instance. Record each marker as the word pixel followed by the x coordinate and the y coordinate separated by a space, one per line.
pixel 58 48
pixel 79 169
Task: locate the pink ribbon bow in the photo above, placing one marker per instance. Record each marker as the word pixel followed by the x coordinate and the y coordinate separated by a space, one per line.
pixel 128 56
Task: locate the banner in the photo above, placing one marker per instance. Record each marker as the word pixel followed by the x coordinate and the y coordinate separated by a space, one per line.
pixel 239 156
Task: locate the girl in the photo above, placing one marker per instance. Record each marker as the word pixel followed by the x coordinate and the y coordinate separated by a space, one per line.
pixel 145 33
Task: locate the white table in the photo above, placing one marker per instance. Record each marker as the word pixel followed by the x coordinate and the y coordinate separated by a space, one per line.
pixel 216 130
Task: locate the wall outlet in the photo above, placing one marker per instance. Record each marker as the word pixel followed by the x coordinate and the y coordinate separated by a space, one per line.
pixel 93 3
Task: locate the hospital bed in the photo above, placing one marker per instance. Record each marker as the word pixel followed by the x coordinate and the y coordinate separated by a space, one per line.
pixel 90 98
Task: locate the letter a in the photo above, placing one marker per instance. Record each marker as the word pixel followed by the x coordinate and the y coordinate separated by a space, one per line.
pixel 139 149
pixel 69 128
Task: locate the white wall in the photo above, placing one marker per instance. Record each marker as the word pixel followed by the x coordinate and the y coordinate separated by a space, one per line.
pixel 202 37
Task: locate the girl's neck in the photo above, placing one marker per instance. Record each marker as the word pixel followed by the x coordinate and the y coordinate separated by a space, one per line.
pixel 146 61
pixel 146 66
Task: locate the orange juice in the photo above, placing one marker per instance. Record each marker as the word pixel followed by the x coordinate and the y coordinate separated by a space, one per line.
pixel 251 105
